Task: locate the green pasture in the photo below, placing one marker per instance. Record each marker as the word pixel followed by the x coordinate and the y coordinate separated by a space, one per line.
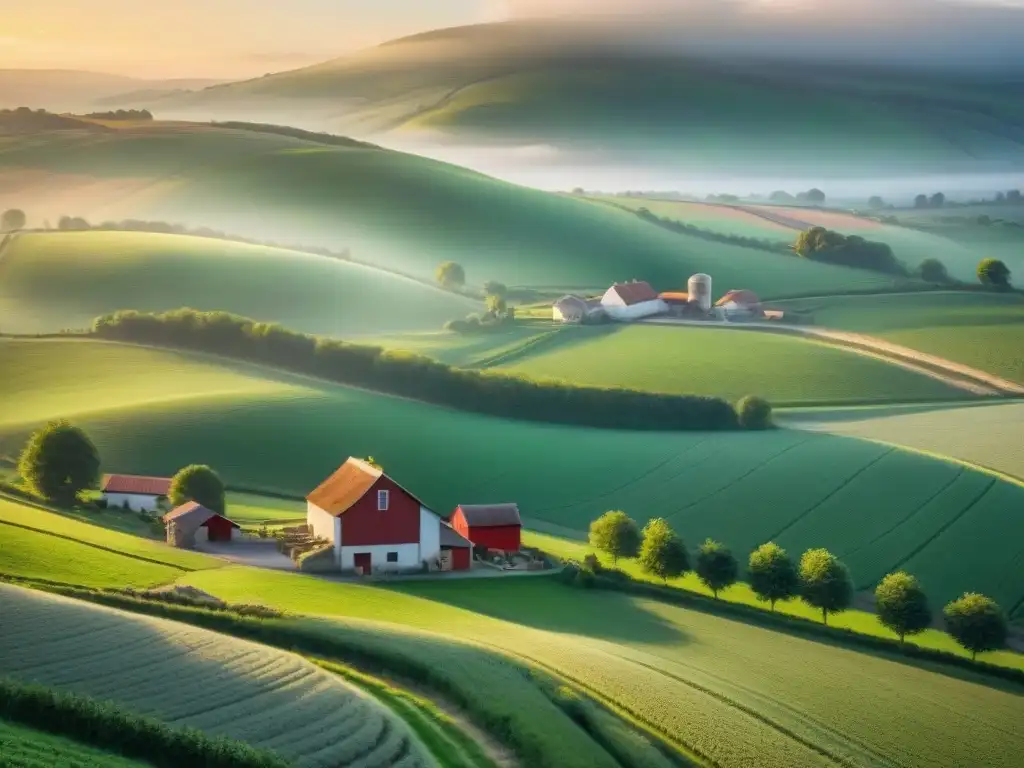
pixel 723 362
pixel 876 507
pixel 53 281
pixel 982 330
pixel 22 747
pixel 726 690
pixel 192 677
pixel 392 210
pixel 471 350
pixel 986 436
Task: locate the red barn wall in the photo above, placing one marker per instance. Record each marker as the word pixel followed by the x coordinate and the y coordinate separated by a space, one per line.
pixel 218 529
pixel 460 558
pixel 505 537
pixel 364 525
pixel 458 522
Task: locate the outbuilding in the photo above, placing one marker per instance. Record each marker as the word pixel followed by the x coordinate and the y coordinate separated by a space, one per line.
pixel 140 493
pixel 632 301
pixel 740 304
pixel 456 550
pixel 493 526
pixel 192 523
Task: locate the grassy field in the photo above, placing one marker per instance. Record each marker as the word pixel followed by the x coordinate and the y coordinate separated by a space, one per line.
pixel 22 747
pixel 987 436
pixel 876 507
pixel 192 677
pixel 391 209
pixel 724 689
pixel 721 362
pixel 53 281
pixel 982 330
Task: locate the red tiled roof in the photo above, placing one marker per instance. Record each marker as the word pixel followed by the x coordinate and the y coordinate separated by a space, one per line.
pixel 634 293
pixel 490 515
pixel 339 492
pixel 138 484
pixel 740 297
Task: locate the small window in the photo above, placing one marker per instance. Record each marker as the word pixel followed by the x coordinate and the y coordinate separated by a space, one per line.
pixel 392 556
pixel 382 501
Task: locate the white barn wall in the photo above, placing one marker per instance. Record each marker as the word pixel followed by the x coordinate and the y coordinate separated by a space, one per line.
pixel 430 535
pixel 136 501
pixel 619 311
pixel 325 526
pixel 408 556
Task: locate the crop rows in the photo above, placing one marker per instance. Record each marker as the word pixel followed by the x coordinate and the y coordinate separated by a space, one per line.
pixel 190 677
pixel 26 748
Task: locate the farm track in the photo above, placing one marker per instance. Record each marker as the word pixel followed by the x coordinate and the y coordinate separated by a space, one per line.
pixel 956 375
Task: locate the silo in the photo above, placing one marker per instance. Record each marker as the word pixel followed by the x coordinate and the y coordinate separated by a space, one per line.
pixel 699 289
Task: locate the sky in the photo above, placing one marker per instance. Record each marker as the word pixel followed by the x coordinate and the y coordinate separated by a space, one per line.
pixel 231 39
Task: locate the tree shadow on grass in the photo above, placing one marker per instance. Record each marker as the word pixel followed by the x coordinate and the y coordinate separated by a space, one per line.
pixel 542 602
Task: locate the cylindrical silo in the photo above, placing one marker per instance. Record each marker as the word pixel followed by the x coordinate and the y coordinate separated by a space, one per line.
pixel 699 289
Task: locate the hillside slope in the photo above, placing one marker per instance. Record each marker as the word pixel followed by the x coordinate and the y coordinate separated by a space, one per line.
pixel 876 507
pixel 58 280
pixel 391 209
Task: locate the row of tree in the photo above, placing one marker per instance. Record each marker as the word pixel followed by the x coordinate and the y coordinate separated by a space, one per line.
pixel 416 376
pixel 826 245
pixel 820 579
pixel 60 461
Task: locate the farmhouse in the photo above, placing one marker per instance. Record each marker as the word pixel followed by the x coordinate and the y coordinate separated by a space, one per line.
pixel 136 492
pixel 573 309
pixel 377 525
pixel 739 304
pixel 494 526
pixel 193 523
pixel 631 301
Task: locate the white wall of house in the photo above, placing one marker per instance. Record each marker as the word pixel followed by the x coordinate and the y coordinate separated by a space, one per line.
pixel 325 526
pixel 408 556
pixel 137 501
pixel 430 535
pixel 619 311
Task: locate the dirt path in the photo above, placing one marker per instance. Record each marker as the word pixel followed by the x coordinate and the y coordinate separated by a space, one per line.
pixel 952 374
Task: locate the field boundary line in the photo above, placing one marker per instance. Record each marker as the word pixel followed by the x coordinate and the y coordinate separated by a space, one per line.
pixel 832 493
pixel 142 558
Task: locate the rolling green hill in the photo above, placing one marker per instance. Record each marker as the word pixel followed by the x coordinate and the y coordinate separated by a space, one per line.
pixel 876 507
pixel 53 281
pixel 982 330
pixel 729 363
pixel 537 82
pixel 392 210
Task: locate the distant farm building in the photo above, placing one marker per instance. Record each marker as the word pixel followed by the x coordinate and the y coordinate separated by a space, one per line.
pixel 632 301
pixel 136 492
pixel 375 524
pixel 456 550
pixel 573 309
pixel 192 523
pixel 493 526
pixel 680 304
pixel 740 305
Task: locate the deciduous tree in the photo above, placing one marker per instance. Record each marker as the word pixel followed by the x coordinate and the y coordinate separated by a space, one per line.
pixel 716 566
pixel 993 272
pixel 59 462
pixel 901 605
pixel 825 582
pixel 754 413
pixel 615 533
pixel 977 623
pixel 450 274
pixel 662 553
pixel 12 220
pixel 773 575
pixel 934 271
pixel 198 483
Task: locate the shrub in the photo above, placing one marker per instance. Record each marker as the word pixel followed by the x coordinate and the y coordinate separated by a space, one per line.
pixel 977 623
pixel 59 462
pixel 662 553
pixel 716 567
pixel 615 533
pixel 754 413
pixel 592 563
pixel 994 273
pixel 13 220
pixel 199 483
pixel 901 605
pixel 773 576
pixel 825 582
pixel 934 271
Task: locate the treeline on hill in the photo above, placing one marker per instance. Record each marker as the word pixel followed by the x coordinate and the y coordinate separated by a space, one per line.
pixel 25 120
pixel 706 234
pixel 415 376
pixel 121 114
pixel 820 244
pixel 298 133
pixel 103 725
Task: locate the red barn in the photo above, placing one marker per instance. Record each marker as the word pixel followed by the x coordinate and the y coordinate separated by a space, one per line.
pixel 192 521
pixel 494 526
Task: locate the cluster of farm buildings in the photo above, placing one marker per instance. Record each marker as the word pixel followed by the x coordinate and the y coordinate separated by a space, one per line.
pixel 370 521
pixel 636 300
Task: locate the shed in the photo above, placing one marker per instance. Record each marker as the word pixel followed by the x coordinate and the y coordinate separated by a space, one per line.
pixel 569 309
pixel 192 522
pixel 141 493
pixel 456 550
pixel 493 526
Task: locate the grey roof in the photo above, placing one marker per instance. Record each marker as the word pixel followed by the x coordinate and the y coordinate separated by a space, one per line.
pixel 490 515
pixel 452 538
